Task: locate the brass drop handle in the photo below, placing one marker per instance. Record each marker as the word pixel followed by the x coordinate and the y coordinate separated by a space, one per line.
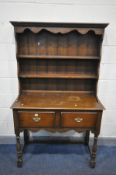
pixel 78 119
pixel 36 118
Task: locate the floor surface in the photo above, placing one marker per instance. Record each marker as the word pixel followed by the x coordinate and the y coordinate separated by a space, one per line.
pixel 57 159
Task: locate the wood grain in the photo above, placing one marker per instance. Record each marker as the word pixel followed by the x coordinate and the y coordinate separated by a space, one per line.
pixel 26 119
pixel 87 119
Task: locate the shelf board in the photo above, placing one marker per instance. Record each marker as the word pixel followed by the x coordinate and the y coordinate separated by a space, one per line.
pixel 57 57
pixel 58 75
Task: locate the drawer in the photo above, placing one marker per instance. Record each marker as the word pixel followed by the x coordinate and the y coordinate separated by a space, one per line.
pixel 79 119
pixel 36 119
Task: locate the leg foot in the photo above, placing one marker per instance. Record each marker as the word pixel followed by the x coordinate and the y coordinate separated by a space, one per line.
pixel 92 164
pixel 19 163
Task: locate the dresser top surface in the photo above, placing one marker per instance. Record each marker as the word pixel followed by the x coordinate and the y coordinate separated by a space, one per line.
pixel 55 100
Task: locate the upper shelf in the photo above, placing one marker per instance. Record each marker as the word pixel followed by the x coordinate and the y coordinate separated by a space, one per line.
pixel 57 57
pixel 58 75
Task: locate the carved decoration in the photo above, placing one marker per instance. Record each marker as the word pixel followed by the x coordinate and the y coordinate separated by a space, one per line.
pixel 97 31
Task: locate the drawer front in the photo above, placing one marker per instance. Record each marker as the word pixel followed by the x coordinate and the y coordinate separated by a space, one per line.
pixel 36 119
pixel 79 119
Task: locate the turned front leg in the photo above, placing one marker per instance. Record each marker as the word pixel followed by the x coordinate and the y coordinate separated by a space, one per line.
pixel 19 151
pixel 93 152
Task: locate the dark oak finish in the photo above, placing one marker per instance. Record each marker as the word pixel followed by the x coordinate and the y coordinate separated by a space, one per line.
pixel 36 119
pixel 79 119
pixel 57 100
pixel 58 71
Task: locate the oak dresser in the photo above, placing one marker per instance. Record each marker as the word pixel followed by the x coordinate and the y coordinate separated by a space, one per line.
pixel 58 71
